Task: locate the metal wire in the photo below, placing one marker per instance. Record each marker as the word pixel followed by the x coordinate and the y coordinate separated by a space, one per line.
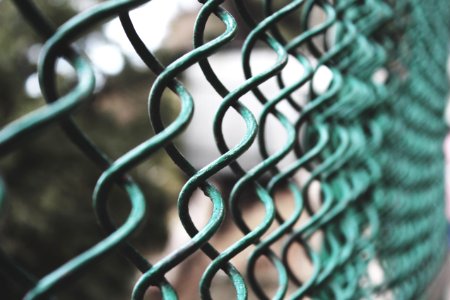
pixel 374 147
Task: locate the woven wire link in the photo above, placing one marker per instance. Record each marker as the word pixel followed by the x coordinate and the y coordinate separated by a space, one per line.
pixel 412 180
pixel 374 147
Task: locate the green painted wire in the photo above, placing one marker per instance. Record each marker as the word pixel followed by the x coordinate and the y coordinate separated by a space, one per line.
pixel 57 278
pixel 366 143
pixel 157 68
pixel 237 187
pixel 85 145
pixel 329 262
pixel 283 285
pixel 259 95
pixel 414 139
pixel 91 151
pixel 238 246
pixel 248 180
pixel 200 238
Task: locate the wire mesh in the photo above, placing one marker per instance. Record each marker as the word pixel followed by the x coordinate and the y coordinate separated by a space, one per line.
pixel 373 144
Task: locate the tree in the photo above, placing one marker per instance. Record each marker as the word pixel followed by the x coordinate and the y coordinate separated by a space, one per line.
pixel 48 217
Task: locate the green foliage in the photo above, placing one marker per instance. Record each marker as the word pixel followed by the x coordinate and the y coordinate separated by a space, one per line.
pixel 48 218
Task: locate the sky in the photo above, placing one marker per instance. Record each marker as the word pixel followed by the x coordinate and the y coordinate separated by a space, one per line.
pixel 152 22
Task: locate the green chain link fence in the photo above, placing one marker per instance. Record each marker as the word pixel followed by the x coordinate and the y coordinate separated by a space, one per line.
pixel 374 146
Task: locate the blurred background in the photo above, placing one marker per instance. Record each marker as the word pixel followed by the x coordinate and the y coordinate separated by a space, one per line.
pixel 48 216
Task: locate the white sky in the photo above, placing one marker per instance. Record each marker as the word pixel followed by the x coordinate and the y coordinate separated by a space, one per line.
pixel 151 21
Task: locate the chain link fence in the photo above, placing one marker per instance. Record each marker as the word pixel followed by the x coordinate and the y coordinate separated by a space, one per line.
pixel 368 139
